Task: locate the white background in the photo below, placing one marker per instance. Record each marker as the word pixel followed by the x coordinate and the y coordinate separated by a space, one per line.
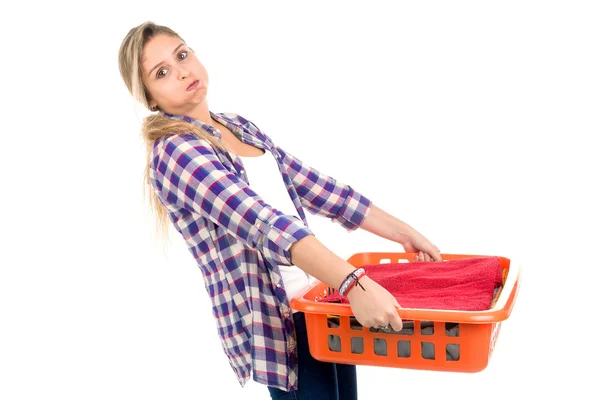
pixel 476 122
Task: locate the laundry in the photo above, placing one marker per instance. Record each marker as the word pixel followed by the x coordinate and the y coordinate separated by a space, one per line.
pixel 467 284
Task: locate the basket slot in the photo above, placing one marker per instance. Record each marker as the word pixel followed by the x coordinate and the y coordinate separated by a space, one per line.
pixel 355 325
pixel 357 345
pixel 403 348
pixel 428 350
pixel 452 329
pixel 427 328
pixel 335 343
pixel 452 352
pixel 380 346
pixel 333 321
pixel 404 331
pixel 389 260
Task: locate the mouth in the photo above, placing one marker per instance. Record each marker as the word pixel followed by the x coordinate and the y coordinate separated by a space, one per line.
pixel 193 85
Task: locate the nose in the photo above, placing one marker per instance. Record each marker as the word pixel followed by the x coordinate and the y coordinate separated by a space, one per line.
pixel 183 73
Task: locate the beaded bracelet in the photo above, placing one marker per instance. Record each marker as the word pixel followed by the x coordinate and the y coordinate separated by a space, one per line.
pixel 351 280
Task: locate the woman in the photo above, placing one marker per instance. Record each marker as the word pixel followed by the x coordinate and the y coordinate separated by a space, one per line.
pixel 238 201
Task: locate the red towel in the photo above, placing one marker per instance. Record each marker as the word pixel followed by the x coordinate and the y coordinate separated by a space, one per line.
pixel 466 284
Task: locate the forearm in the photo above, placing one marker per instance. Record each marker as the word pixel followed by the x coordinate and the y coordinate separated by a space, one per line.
pixel 311 256
pixel 372 306
pixel 386 225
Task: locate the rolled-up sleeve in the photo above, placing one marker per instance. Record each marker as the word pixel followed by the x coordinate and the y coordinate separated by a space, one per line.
pixel 323 195
pixel 189 175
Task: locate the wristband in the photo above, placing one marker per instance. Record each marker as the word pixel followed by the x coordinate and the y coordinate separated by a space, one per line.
pixel 351 280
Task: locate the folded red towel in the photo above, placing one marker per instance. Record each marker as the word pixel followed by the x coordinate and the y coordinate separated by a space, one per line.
pixel 466 284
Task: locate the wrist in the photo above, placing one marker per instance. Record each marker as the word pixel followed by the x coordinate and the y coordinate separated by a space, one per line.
pixel 403 233
pixel 351 281
pixel 357 292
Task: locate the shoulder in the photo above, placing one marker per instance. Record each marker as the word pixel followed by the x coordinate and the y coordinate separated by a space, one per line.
pixel 180 143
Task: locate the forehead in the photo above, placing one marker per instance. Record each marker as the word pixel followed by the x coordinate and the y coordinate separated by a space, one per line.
pixel 158 49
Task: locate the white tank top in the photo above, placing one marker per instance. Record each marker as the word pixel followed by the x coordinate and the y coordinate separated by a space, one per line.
pixel 266 180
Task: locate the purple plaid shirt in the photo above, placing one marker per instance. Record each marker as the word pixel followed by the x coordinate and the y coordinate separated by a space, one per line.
pixel 238 240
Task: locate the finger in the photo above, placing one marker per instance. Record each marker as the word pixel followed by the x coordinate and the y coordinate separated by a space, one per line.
pixel 438 254
pixel 435 254
pixel 377 324
pixel 396 322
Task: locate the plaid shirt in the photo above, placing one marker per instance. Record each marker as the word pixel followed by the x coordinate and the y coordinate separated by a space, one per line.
pixel 238 240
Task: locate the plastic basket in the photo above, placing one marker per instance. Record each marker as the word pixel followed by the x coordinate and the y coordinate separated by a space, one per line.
pixel 438 340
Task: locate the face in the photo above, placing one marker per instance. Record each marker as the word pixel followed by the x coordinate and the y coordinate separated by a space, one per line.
pixel 175 79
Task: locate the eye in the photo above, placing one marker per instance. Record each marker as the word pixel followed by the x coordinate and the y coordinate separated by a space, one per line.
pixel 182 56
pixel 158 74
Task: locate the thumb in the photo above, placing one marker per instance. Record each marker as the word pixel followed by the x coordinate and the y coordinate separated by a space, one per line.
pixel 397 321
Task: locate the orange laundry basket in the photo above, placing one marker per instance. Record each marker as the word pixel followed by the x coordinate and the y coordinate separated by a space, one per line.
pixel 438 340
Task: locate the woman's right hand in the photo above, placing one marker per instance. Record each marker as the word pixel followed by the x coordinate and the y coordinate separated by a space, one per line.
pixel 374 307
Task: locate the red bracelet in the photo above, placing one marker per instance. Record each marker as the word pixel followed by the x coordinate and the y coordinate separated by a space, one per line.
pixel 351 281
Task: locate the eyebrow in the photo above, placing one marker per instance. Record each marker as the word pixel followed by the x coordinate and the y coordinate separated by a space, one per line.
pixel 157 65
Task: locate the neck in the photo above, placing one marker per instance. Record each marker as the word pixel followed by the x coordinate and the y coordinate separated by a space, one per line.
pixel 199 112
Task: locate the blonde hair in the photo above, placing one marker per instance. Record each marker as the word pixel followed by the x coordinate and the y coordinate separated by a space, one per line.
pixel 154 126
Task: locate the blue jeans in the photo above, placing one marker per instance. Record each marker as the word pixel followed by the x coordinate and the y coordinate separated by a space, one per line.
pixel 318 380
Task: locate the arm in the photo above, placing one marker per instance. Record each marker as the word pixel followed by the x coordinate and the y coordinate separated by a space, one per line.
pixel 189 175
pixel 373 307
pixel 319 194
pixel 310 255
pixel 323 195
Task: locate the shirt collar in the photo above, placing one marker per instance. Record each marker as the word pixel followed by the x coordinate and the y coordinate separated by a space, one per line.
pixel 219 118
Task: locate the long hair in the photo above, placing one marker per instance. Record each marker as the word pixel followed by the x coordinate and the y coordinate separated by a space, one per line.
pixel 154 126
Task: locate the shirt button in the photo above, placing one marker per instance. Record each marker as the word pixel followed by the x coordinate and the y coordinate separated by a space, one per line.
pixel 278 285
pixel 242 172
